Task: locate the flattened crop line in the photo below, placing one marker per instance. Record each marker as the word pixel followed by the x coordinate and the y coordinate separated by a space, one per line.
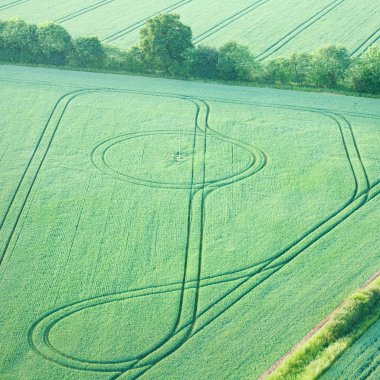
pixel 12 4
pixel 139 24
pixel 83 11
pixel 279 44
pixel 229 20
pixel 23 179
pixel 367 43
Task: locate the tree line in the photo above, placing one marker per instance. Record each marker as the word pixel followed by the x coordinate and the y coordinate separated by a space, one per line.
pixel 166 48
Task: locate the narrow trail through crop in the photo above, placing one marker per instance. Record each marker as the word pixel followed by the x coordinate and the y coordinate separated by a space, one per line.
pixel 280 43
pixel 190 319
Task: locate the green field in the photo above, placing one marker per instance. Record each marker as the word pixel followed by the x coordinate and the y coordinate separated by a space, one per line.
pixel 161 229
pixel 260 24
pixel 361 361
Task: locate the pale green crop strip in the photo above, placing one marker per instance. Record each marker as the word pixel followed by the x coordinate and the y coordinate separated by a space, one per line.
pixel 353 318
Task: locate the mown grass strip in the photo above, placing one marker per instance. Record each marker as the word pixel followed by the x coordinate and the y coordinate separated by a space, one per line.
pixel 320 348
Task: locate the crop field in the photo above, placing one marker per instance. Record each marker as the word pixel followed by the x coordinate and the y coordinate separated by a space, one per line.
pixel 162 229
pixel 268 27
pixel 361 361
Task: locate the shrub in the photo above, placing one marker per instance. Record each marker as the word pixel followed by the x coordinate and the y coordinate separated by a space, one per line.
pixel 364 76
pixel 236 62
pixel 88 52
pixel 54 44
pixel 329 65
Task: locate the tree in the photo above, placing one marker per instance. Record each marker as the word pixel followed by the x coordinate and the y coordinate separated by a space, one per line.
pixel 202 62
pixel 55 44
pixel 364 75
pixel 88 52
pixel 329 65
pixel 236 63
pixel 164 41
pixel 18 41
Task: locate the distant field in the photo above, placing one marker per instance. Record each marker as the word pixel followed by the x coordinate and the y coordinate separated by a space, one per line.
pixel 169 230
pixel 269 27
pixel 361 361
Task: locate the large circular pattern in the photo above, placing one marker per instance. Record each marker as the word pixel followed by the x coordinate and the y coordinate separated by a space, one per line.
pixel 169 159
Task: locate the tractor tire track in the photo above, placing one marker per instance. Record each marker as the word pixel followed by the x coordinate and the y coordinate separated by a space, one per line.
pixel 274 266
pixel 99 160
pixel 198 271
pixel 12 4
pixel 366 44
pixel 227 21
pixel 140 23
pixel 192 193
pixel 186 326
pixel 246 287
pixel 19 189
pixel 83 11
pixel 279 44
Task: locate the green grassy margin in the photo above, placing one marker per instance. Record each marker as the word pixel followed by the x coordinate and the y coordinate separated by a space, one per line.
pixel 319 349
pixel 292 87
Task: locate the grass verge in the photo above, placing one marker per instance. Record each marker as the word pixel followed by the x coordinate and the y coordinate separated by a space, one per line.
pixel 318 350
pixel 290 87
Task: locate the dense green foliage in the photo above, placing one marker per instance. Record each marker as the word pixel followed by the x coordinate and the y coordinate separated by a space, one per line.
pixel 329 66
pixel 270 28
pixel 47 44
pixel 54 44
pixel 88 52
pixel 166 48
pixel 365 73
pixel 235 62
pixel 164 41
pixel 104 255
pixel 318 353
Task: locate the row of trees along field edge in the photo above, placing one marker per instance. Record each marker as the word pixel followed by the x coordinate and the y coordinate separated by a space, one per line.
pixel 166 49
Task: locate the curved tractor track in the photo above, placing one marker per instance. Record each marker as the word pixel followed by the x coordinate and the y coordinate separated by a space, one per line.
pixel 190 318
pixel 189 295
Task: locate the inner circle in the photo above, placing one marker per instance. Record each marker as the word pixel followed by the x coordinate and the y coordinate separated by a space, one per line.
pixel 174 159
